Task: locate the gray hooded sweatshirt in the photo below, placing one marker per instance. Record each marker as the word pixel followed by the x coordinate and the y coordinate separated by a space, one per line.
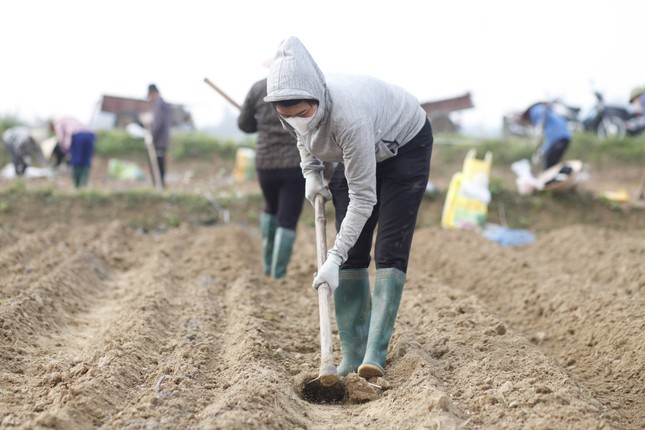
pixel 360 121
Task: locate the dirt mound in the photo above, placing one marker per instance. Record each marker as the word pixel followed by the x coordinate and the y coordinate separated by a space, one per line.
pixel 102 326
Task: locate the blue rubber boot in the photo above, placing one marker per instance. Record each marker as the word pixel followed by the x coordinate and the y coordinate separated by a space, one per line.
pixel 388 289
pixel 353 304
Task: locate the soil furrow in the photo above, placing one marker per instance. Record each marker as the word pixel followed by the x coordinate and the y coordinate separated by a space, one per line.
pixel 95 322
pixel 179 328
pixel 552 305
pixel 28 257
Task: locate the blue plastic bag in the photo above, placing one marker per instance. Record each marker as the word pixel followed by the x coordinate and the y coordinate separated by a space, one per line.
pixel 507 236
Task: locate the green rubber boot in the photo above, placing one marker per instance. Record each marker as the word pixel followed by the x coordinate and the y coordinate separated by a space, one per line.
pixel 84 176
pixel 352 303
pixel 80 175
pixel 284 238
pixel 388 289
pixel 268 224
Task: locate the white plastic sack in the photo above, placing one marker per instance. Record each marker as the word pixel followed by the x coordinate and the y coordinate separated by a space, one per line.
pixel 525 181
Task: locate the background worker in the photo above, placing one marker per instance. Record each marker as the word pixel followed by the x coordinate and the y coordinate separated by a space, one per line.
pixel 277 163
pixel 554 130
pixel 382 140
pixel 160 129
pixel 21 146
pixel 77 141
pixel 637 97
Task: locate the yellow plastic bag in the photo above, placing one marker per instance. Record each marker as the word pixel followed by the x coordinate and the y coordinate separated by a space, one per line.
pixel 244 164
pixel 467 199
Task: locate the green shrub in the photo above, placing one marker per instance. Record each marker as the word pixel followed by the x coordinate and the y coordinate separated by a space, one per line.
pixel 5 123
pixel 584 146
pixel 118 143
pixel 183 146
pixel 505 151
pixel 8 122
pixel 192 146
pixel 587 147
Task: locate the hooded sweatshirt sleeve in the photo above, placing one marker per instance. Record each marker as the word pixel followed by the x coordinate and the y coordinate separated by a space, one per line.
pixel 309 164
pixel 360 172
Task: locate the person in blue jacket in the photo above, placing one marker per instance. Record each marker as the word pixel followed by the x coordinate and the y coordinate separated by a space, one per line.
pixel 554 129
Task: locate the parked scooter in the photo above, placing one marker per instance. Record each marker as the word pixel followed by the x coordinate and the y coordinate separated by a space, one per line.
pixel 612 121
pixel 514 126
pixel 606 121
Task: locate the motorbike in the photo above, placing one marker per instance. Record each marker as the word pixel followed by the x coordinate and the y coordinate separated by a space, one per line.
pixel 612 121
pixel 514 126
pixel 602 119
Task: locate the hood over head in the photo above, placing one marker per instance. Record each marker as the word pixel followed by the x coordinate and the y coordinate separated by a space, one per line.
pixel 294 74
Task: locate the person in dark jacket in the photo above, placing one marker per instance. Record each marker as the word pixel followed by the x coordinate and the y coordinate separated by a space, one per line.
pixel 277 163
pixel 382 140
pixel 160 128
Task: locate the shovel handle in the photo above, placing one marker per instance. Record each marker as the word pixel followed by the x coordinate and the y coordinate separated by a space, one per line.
pixel 324 293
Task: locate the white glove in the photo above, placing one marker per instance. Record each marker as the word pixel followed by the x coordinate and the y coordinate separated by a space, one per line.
pixel 314 184
pixel 328 273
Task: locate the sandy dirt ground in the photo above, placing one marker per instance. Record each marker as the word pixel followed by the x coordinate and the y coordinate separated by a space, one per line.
pixel 103 326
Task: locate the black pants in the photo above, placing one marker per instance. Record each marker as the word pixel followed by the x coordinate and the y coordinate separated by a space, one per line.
pixel 58 155
pixel 284 194
pixel 555 153
pixel 19 163
pixel 401 182
pixel 161 162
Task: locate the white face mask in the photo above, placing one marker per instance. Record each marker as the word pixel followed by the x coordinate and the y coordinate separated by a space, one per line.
pixel 299 124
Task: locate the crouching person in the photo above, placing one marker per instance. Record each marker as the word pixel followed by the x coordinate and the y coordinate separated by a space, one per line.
pixel 77 141
pixel 21 146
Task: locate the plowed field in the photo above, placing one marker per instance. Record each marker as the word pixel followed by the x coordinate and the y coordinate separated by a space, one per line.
pixel 103 325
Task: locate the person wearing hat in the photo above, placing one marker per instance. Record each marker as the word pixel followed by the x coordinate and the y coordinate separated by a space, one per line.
pixel 637 96
pixel 382 140
pixel 160 129
pixel 277 163
pixel 554 129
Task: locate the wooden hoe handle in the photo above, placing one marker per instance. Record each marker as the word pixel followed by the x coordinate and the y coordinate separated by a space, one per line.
pixel 222 93
pixel 324 293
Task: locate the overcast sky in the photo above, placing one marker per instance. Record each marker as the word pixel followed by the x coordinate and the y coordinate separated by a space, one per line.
pixel 61 56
